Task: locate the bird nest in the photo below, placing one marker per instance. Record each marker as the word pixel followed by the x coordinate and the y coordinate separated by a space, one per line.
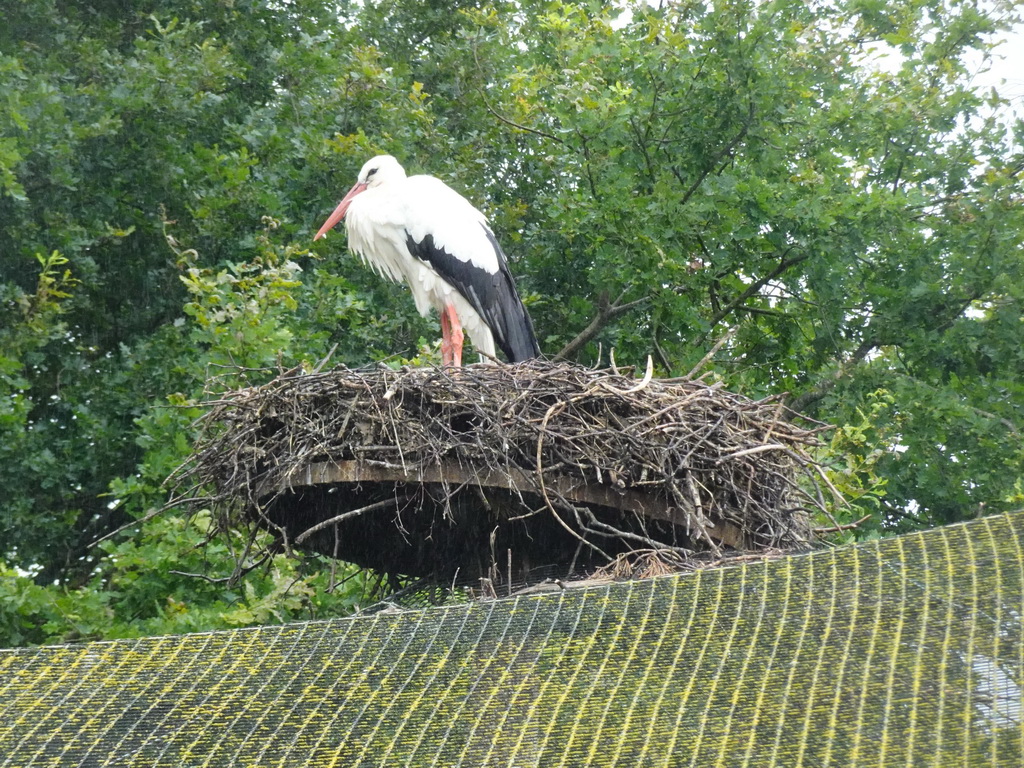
pixel 505 472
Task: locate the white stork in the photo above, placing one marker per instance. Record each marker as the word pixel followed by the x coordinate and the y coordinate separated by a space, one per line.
pixel 419 230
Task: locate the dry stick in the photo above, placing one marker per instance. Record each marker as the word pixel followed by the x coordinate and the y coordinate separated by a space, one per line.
pixel 226 579
pixel 817 488
pixel 749 451
pixel 543 487
pixel 648 374
pixel 334 559
pixel 835 491
pixel 711 353
pixel 611 361
pixel 330 353
pixel 344 516
pixel 281 530
pixel 616 533
pixel 239 569
pixel 845 527
pixel 151 514
pixel 701 517
pixel 348 415
pixel 696 394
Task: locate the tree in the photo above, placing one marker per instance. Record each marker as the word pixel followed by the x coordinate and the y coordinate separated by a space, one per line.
pixel 752 168
pixel 663 178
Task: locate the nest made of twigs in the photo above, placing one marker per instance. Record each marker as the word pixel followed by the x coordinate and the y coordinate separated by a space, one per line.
pixel 506 471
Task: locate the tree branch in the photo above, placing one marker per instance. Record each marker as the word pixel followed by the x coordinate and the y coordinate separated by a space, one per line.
pixel 753 288
pixel 823 387
pixel 514 124
pixel 498 115
pixel 659 352
pixel 606 312
pixel 718 156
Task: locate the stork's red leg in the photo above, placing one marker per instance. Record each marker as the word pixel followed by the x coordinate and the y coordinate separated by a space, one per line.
pixel 446 339
pixel 451 337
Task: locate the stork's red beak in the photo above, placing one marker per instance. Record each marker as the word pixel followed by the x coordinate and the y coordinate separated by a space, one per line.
pixel 340 211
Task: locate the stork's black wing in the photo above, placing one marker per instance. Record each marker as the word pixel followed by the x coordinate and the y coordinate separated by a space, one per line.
pixel 492 294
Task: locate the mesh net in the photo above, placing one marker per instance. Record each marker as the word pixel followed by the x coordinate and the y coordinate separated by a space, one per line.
pixel 901 652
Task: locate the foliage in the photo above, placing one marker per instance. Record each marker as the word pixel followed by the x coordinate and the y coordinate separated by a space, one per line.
pixel 747 168
pixel 819 180
pixel 152 584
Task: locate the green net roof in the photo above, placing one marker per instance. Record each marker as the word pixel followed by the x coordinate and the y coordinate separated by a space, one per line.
pixel 901 652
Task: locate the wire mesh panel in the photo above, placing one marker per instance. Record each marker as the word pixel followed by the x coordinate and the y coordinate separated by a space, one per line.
pixel 902 652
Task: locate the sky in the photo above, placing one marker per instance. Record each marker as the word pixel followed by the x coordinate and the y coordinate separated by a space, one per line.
pixel 1007 72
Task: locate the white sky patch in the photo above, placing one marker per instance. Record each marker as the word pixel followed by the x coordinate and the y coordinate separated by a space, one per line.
pixel 1005 71
pixel 997 695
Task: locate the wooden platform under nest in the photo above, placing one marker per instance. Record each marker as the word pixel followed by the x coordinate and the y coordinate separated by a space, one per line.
pixel 505 471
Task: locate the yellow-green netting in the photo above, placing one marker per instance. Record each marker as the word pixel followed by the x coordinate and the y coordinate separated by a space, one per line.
pixel 902 652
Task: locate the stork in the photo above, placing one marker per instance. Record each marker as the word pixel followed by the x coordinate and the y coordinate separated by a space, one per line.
pixel 418 230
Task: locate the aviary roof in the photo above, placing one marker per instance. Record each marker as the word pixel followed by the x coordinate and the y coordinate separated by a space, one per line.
pixel 900 652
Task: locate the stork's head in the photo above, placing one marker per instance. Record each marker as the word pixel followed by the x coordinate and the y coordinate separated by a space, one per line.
pixel 379 170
